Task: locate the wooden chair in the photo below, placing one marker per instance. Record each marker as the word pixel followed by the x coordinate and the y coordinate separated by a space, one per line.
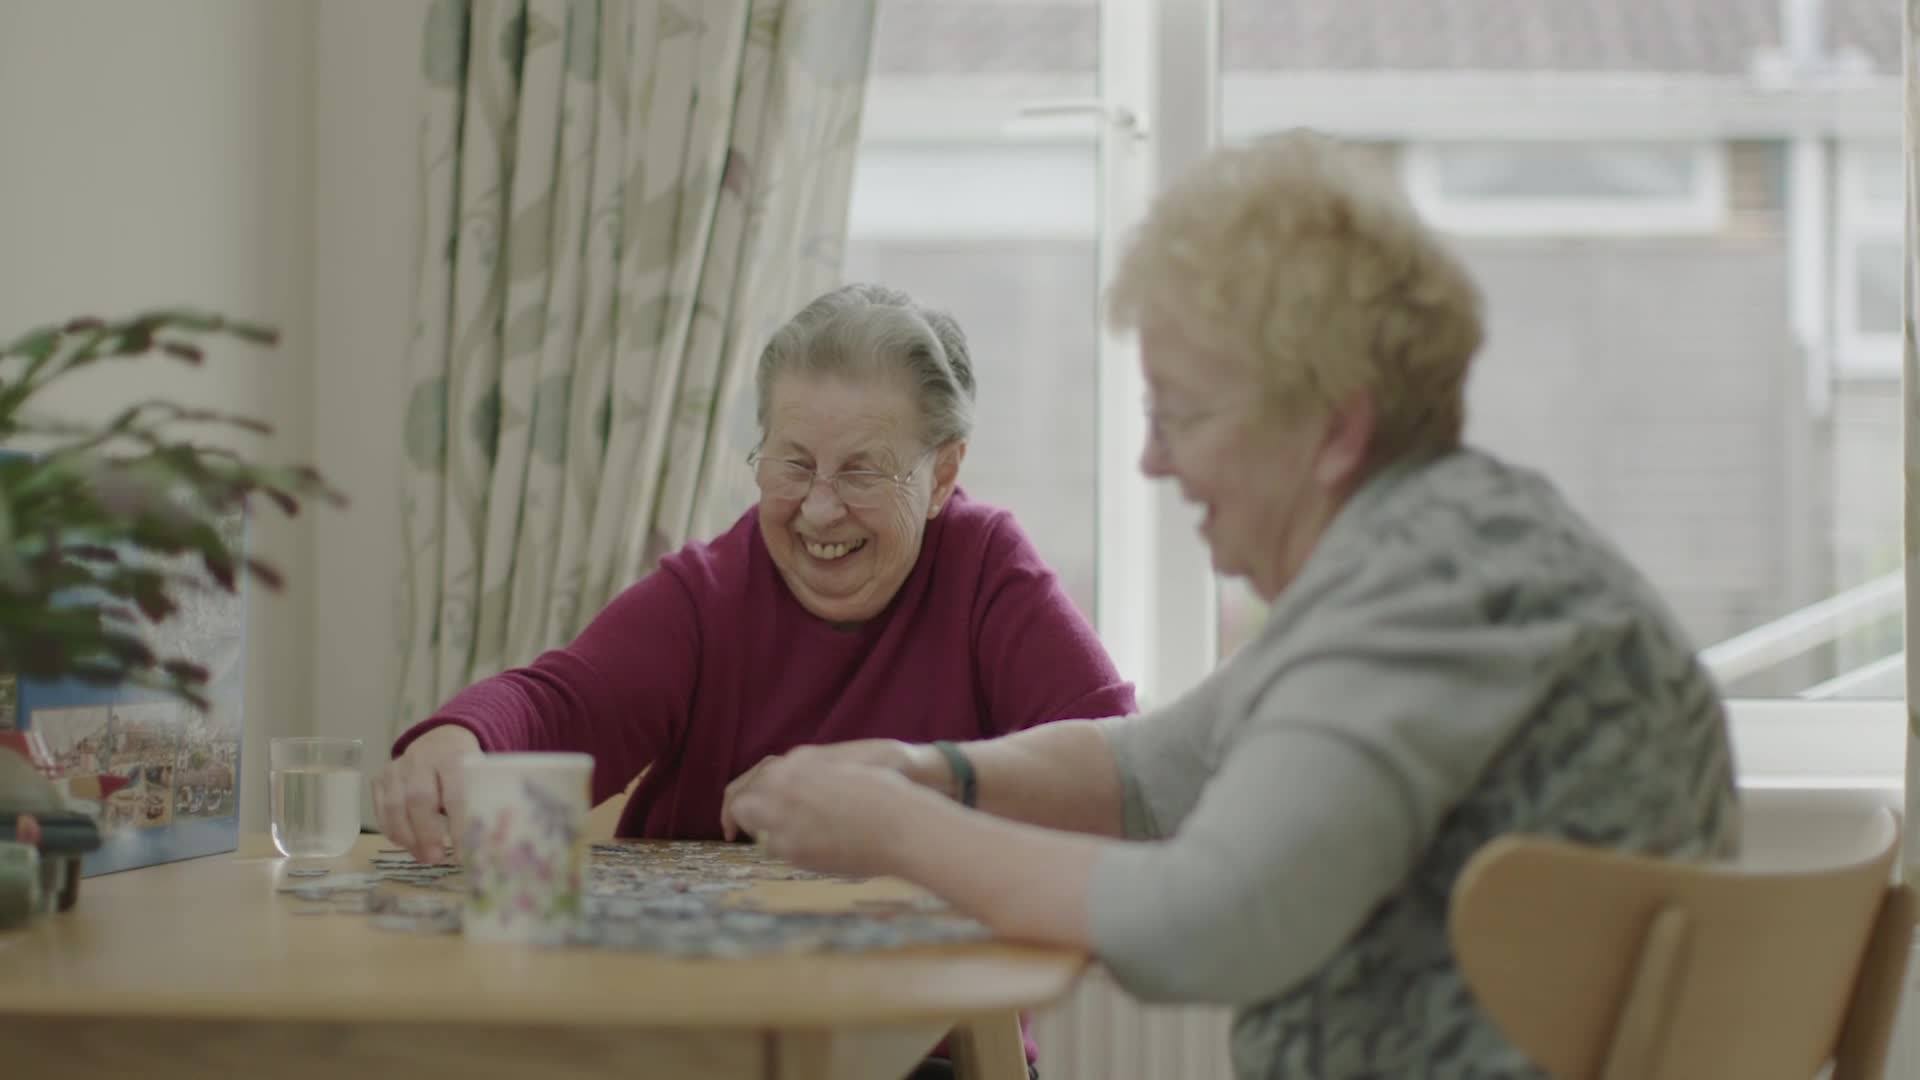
pixel 1619 967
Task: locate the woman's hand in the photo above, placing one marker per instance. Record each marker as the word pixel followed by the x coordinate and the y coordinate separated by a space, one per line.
pixel 920 764
pixel 820 809
pixel 419 798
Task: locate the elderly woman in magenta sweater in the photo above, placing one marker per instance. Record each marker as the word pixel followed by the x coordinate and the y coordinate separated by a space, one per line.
pixel 1452 653
pixel 865 595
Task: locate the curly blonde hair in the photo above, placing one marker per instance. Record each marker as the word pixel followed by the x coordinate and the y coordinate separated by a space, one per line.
pixel 1302 255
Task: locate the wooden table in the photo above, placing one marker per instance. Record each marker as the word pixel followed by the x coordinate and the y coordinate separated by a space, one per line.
pixel 200 968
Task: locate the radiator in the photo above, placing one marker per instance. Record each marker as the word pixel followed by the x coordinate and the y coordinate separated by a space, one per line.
pixel 1101 1033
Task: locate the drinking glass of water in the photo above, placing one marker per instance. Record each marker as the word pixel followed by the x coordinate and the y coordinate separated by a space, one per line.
pixel 316 796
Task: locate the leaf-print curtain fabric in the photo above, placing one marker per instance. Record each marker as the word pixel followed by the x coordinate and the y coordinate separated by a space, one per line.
pixel 619 201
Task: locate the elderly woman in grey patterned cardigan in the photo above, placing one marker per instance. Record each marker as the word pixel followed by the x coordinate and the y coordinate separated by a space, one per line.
pixel 1453 653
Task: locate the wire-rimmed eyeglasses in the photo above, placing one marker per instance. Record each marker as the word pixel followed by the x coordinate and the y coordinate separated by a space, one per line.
pixel 861 489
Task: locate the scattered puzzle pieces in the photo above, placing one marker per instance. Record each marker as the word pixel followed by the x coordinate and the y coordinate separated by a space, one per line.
pixel 678 899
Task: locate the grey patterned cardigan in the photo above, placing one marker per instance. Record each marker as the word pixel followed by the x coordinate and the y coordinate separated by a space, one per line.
pixel 1462 656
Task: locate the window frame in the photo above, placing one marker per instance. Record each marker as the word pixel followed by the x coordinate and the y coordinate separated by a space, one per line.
pixel 1859 220
pixel 1703 211
pixel 1157 605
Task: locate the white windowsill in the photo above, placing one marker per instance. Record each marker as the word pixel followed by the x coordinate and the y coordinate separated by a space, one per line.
pixel 1820 746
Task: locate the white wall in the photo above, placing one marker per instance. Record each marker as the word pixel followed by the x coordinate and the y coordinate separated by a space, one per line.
pixel 163 154
pixel 254 158
pixel 367 93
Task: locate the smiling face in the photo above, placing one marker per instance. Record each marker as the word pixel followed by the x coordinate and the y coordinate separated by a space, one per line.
pixel 845 563
pixel 1269 482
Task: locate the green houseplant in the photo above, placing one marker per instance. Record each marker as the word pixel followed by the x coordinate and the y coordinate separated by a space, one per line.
pixel 106 528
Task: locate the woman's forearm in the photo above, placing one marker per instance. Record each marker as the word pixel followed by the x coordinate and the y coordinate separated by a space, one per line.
pixel 1057 776
pixel 1024 883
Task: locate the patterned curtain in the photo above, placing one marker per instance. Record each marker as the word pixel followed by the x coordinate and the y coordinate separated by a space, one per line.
pixel 619 201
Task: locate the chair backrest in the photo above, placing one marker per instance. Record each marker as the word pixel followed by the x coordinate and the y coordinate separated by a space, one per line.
pixel 1607 965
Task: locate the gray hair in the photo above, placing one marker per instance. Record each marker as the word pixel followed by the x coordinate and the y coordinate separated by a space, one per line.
pixel 862 329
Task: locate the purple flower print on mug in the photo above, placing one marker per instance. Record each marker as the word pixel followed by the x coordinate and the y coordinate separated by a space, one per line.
pixel 526 846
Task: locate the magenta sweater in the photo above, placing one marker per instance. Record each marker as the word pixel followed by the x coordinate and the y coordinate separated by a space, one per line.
pixel 707 665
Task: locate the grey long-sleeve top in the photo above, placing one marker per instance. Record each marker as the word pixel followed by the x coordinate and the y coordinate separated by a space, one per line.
pixel 1461 656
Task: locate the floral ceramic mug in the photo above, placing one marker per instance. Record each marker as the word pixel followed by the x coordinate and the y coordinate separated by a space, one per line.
pixel 525 846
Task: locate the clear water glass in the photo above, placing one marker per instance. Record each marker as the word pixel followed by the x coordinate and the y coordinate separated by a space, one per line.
pixel 316 796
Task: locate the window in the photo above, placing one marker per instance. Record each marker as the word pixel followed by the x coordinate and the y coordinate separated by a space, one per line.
pixel 1877 269
pixel 1535 188
pixel 987 194
pixel 1869 272
pixel 1627 208
pixel 971 209
pixel 1634 211
pixel 1000 144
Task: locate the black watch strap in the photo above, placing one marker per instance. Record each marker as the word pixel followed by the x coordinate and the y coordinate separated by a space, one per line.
pixel 963 774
